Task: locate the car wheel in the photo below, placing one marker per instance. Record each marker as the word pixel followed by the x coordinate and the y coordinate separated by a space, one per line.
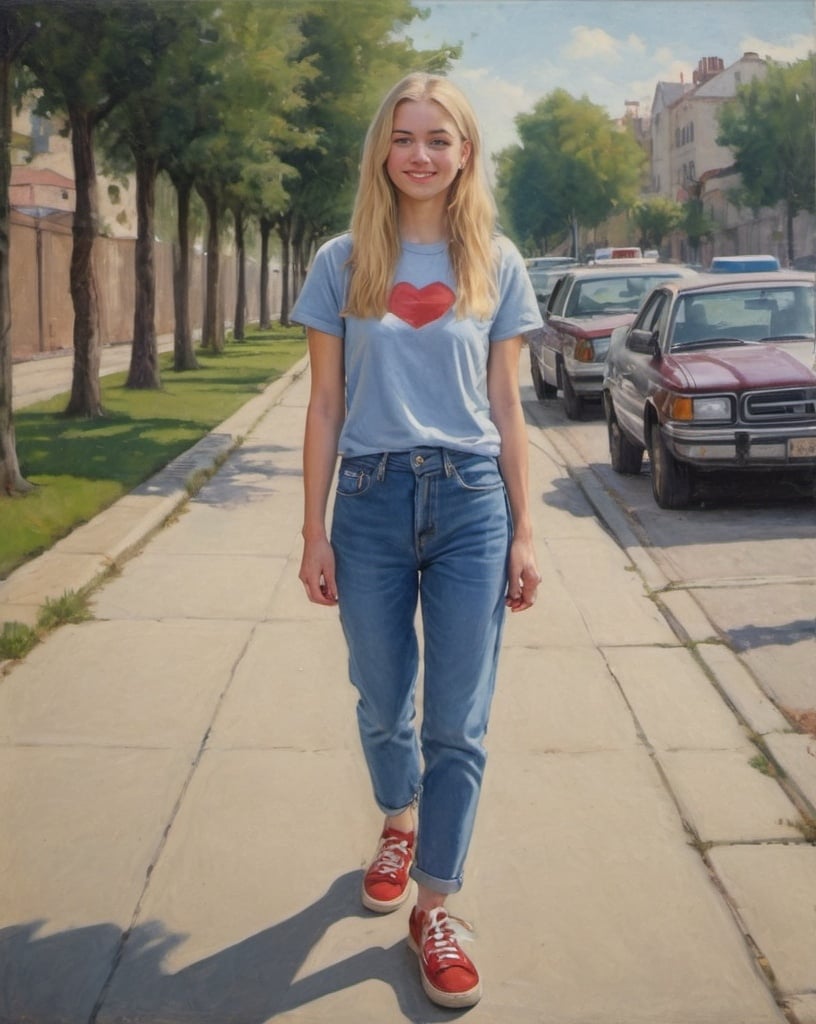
pixel 542 388
pixel 624 456
pixel 672 481
pixel 573 404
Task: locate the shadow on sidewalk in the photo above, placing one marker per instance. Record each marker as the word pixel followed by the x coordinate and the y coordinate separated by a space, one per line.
pixel 56 978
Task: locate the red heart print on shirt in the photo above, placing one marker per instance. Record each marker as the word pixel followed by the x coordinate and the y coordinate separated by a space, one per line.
pixel 420 306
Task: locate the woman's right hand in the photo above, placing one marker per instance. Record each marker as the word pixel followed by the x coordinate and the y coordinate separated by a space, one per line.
pixel 317 571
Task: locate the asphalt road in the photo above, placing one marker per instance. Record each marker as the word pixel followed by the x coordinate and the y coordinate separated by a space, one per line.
pixel 746 552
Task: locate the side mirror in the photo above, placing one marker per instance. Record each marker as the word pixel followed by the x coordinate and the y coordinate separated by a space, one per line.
pixel 642 341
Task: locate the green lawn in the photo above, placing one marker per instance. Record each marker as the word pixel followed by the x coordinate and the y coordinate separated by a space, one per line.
pixel 80 467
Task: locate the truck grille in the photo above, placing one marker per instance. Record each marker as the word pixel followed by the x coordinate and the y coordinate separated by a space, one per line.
pixel 786 404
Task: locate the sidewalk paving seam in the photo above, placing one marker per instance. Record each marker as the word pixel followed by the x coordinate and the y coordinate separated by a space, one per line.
pixel 155 858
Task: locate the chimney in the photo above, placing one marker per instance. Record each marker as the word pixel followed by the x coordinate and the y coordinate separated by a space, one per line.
pixel 707 67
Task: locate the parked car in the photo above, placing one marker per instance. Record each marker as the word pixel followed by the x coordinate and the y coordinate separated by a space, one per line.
pixel 743 264
pixel 586 304
pixel 548 262
pixel 715 373
pixel 543 280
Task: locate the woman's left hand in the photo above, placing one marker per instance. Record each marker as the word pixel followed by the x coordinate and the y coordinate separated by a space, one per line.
pixel 523 576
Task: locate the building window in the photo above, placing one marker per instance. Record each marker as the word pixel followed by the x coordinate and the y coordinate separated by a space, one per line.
pixel 691 170
pixel 40 133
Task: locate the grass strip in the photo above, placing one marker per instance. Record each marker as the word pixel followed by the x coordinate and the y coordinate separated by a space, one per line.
pixel 80 467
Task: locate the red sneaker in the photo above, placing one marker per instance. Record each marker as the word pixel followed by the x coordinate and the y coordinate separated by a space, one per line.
pixel 449 977
pixel 386 883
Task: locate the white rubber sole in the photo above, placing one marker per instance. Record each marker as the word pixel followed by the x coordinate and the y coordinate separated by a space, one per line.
pixel 450 1000
pixel 384 906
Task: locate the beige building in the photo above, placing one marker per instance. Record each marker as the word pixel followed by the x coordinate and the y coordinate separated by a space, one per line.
pixel 39 149
pixel 688 163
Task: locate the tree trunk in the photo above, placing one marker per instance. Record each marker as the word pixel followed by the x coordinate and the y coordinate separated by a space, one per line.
pixel 212 332
pixel 11 480
pixel 86 398
pixel 144 356
pixel 239 321
pixel 296 257
pixel 284 232
pixel 184 357
pixel 265 318
pixel 789 218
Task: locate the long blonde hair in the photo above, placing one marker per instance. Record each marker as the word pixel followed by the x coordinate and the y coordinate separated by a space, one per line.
pixel 471 211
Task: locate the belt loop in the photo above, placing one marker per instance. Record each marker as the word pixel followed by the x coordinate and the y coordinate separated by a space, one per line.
pixel 381 467
pixel 448 464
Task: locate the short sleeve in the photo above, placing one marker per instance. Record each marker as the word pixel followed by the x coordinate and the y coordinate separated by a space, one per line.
pixel 323 296
pixel 517 310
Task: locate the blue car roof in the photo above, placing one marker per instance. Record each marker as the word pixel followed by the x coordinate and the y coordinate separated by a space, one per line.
pixel 742 264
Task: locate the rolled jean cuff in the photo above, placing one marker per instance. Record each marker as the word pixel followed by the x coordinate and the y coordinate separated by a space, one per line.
pixel 446 886
pixel 394 812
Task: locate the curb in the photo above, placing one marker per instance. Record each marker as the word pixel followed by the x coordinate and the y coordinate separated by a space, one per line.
pixel 81 560
pixel 727 673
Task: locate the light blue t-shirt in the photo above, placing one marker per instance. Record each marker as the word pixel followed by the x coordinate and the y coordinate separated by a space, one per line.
pixel 418 376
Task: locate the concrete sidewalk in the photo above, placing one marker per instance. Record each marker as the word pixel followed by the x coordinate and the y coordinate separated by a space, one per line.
pixel 35 380
pixel 187 810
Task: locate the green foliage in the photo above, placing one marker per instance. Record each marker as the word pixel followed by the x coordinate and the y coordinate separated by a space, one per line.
pixel 655 218
pixel 574 166
pixel 82 466
pixel 16 640
pixel 357 50
pixel 696 223
pixel 769 127
pixel 68 607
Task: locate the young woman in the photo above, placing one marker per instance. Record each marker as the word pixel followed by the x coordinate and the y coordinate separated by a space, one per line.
pixel 415 321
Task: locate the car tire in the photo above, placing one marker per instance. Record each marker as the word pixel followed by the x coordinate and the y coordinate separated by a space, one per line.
pixel 573 404
pixel 672 481
pixel 542 388
pixel 626 457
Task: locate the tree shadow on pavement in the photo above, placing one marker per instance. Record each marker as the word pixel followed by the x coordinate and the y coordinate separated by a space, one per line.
pixel 59 977
pixel 745 638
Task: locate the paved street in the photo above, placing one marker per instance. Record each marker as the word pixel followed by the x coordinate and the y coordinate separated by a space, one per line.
pixel 188 806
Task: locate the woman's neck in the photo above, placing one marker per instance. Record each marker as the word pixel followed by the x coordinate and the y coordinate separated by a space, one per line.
pixel 423 223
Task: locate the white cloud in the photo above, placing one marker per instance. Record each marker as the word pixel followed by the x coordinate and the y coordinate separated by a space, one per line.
pixel 496 101
pixel 797 47
pixel 592 43
pixel 636 44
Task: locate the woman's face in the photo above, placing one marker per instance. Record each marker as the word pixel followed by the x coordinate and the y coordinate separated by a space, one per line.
pixel 426 151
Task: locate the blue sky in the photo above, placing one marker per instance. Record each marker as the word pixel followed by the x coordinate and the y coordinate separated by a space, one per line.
pixel 517 51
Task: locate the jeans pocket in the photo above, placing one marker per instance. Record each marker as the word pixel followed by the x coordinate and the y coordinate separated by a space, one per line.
pixel 477 473
pixel 355 475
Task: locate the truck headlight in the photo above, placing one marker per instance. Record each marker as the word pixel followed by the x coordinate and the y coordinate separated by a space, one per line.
pixel 705 409
pixel 714 407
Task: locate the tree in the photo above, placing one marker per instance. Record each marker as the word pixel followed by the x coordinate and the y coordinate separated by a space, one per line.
pixel 13 33
pixel 245 105
pixel 656 217
pixel 574 168
pixel 695 222
pixel 769 127
pixel 85 61
pixel 136 136
pixel 341 100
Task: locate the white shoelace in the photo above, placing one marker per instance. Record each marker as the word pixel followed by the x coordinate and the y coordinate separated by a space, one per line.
pixel 390 857
pixel 441 931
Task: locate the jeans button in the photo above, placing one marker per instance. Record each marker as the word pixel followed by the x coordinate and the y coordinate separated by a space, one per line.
pixel 418 460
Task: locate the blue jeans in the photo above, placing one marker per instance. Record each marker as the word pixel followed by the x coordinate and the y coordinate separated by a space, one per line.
pixel 433 526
